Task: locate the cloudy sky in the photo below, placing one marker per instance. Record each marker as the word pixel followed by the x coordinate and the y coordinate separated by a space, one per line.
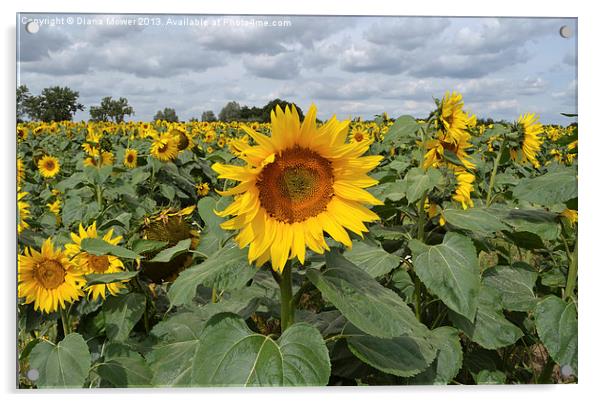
pixel 348 66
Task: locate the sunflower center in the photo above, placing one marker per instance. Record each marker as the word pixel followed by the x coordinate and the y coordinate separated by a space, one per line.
pixel 296 186
pixel 130 158
pixel 359 136
pixel 98 263
pixel 163 148
pixel 50 273
pixel 50 165
pixel 183 141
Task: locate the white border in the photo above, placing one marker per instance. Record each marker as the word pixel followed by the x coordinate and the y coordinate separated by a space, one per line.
pixel 589 185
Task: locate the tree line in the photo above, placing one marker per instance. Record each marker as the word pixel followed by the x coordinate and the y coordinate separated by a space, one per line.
pixel 61 103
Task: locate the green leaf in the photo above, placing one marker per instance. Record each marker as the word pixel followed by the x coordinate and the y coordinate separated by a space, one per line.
pixel 232 355
pixel 96 279
pixel 541 223
pixel 121 314
pixel 168 192
pixel 556 323
pixel 477 220
pixel 205 207
pixel 548 189
pixel 402 131
pixel 227 269
pixel 371 307
pixel 449 358
pixel 451 271
pixel 490 329
pixel 371 258
pixel 65 365
pixel 418 182
pixel 403 356
pixel 170 253
pixel 142 246
pixel 124 367
pixel 515 285
pixel 402 281
pixel 97 246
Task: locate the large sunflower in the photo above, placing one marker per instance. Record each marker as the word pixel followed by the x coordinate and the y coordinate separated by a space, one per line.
pixel 165 147
pixel 531 144
pixel 300 182
pixel 453 120
pixel 49 166
pixel 96 264
pixel 48 279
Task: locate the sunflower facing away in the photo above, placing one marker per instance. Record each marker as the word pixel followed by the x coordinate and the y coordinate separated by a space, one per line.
pixel 532 129
pixel 453 120
pixel 297 184
pixel 95 264
pixel 49 166
pixel 23 208
pixel 48 279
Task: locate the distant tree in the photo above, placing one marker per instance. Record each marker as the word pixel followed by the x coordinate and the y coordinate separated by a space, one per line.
pixel 267 109
pixel 193 120
pixel 230 112
pixel 111 109
pixel 251 113
pixel 167 114
pixel 22 96
pixel 208 115
pixel 53 104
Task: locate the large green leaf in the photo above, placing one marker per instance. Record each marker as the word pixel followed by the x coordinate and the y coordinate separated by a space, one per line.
pixel 548 189
pixel 124 367
pixel 141 246
pixel 232 355
pixel 371 307
pixel 402 356
pixel 121 314
pixel 420 181
pixel 206 207
pixel 227 269
pixel 170 253
pixel 64 365
pixel 490 329
pixel 371 258
pixel 449 358
pixel 556 323
pixel 515 283
pixel 402 131
pixel 542 223
pixel 451 271
pixel 478 220
pixel 97 246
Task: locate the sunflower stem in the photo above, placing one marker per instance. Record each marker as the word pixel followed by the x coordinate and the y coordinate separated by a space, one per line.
pixel 99 197
pixel 287 308
pixel 421 217
pixel 214 295
pixel 64 321
pixel 571 281
pixel 496 164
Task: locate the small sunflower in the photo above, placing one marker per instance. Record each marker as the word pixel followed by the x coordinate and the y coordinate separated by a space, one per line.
pixel 49 166
pixel 531 144
pixel 202 189
pixel 302 181
pixel 23 208
pixel 165 148
pixel 55 207
pixel 130 158
pixel 48 279
pixel 359 134
pixel 96 264
pixel 570 214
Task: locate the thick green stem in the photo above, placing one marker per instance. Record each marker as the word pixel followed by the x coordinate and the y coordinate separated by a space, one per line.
pixel 64 321
pixel 421 217
pixel 99 197
pixel 417 298
pixel 496 164
pixel 214 295
pixel 287 308
pixel 571 281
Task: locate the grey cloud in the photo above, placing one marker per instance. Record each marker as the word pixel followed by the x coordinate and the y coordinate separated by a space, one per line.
pixel 280 67
pixel 38 46
pixel 406 33
pixel 367 57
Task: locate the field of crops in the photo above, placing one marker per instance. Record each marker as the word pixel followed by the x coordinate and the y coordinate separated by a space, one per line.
pixel 297 252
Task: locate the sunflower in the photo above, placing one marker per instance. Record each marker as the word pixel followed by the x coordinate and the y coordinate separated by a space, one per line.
pixel 20 171
pixel 49 166
pixel 48 279
pixel 453 120
pixel 96 264
pixel 90 149
pixel 23 208
pixel 297 184
pixel 359 134
pixel 183 139
pixel 435 154
pixel 130 158
pixel 202 189
pixel 464 187
pixel 570 214
pixel 209 150
pixel 531 128
pixel 165 148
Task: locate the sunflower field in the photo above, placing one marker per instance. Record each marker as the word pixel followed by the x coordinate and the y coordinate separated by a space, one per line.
pixel 297 252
